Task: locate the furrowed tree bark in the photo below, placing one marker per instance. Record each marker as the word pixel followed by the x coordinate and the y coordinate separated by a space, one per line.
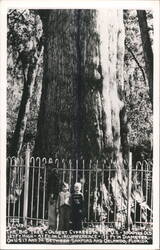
pixel 77 88
pixel 29 74
pixel 70 103
pixel 147 49
pixel 111 33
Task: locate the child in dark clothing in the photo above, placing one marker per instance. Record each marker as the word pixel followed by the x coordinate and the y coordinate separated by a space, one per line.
pixel 77 207
pixel 52 193
pixel 63 208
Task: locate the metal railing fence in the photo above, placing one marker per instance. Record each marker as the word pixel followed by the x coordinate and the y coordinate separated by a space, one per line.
pixel 27 194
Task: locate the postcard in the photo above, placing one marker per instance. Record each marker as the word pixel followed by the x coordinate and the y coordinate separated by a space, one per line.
pixel 79 124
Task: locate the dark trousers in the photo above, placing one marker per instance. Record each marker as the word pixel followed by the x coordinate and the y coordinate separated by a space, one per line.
pixel 64 218
pixel 77 220
pixel 52 218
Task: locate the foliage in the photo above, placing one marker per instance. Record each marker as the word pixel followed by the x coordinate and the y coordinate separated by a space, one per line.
pixel 139 109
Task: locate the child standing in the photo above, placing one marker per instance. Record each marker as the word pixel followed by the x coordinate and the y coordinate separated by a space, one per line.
pixel 52 217
pixel 63 208
pixel 77 207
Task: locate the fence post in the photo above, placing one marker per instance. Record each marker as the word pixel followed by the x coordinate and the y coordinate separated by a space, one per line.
pixel 129 191
pixel 26 183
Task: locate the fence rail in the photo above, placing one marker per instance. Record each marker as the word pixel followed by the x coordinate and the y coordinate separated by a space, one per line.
pixel 102 186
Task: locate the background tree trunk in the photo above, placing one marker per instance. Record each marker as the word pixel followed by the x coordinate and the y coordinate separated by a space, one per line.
pixel 29 74
pixel 147 49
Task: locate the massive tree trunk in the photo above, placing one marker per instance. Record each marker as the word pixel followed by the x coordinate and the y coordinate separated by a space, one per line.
pixel 83 76
pixel 82 112
pixel 147 49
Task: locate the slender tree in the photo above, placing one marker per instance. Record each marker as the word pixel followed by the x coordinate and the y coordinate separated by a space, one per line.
pixel 30 62
pixel 147 48
pixel 25 51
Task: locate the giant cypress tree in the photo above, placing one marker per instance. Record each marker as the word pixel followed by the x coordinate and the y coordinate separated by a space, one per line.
pixel 81 104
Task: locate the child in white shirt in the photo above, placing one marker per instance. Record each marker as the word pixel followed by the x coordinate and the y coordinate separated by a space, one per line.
pixel 64 207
